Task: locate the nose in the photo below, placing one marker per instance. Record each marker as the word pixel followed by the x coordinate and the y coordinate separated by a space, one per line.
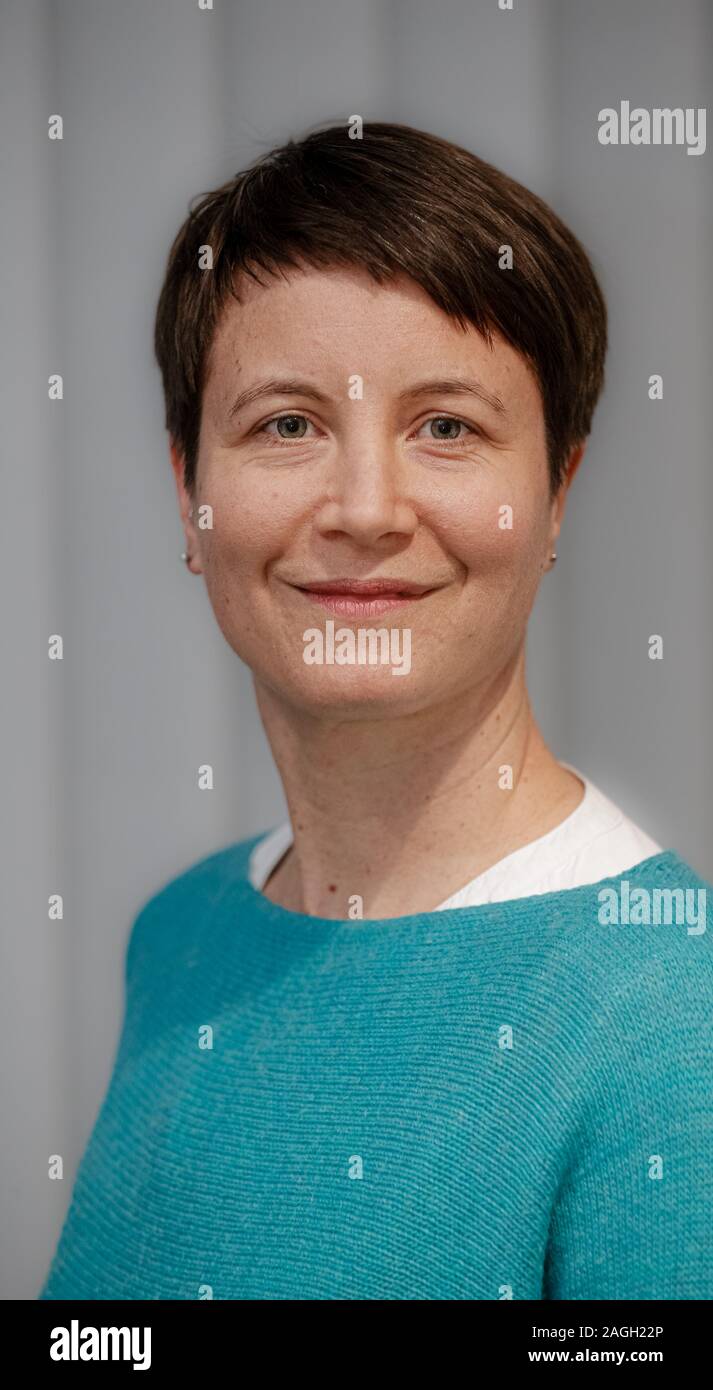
pixel 366 500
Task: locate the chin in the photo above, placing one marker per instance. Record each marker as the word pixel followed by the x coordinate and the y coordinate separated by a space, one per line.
pixel 351 692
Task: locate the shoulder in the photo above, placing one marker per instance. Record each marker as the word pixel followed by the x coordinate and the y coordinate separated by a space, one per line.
pixel 168 921
pixel 638 948
pixel 632 943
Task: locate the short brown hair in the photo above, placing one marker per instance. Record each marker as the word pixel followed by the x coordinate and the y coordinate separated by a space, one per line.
pixel 397 200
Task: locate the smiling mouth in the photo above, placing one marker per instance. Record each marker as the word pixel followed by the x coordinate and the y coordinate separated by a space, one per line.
pixel 354 598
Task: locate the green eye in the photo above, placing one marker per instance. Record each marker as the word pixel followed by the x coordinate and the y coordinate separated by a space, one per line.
pixel 449 422
pixel 292 426
pixel 449 429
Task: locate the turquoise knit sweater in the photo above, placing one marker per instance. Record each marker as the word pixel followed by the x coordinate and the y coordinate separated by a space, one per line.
pixel 506 1101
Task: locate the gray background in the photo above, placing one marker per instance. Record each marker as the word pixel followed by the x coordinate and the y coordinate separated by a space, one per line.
pixel 161 101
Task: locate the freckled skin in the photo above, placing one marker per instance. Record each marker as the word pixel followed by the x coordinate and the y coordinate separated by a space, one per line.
pixel 393 784
pixel 362 496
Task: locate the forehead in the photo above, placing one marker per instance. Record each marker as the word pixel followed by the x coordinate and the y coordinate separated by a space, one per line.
pixel 337 322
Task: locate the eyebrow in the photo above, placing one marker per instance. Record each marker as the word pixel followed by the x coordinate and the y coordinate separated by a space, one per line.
pixel 455 386
pixel 276 386
pixel 442 386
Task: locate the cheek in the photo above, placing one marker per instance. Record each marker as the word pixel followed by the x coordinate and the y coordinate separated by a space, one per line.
pixel 252 517
pixel 499 543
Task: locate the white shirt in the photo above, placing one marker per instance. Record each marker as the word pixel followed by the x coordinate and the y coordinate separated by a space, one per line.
pixel 595 841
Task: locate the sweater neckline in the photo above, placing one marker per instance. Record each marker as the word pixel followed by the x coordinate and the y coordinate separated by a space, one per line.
pixel 540 903
pixel 573 838
pixel 271 849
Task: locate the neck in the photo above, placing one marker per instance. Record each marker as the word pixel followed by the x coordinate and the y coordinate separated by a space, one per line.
pixel 403 812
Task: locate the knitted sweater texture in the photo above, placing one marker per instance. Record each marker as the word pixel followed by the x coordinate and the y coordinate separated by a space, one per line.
pixel 506 1101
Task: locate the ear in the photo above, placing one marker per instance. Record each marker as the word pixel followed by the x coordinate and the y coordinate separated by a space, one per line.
pixel 560 499
pixel 186 506
pixel 574 461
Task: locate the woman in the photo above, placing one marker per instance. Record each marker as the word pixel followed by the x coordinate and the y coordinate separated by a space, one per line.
pixel 443 1034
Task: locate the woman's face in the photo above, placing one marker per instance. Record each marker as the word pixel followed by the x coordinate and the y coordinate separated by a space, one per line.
pixel 361 467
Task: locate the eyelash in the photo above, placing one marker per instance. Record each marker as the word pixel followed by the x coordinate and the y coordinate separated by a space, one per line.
pixel 297 415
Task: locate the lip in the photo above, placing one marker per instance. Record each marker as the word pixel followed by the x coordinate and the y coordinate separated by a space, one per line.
pixel 354 598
